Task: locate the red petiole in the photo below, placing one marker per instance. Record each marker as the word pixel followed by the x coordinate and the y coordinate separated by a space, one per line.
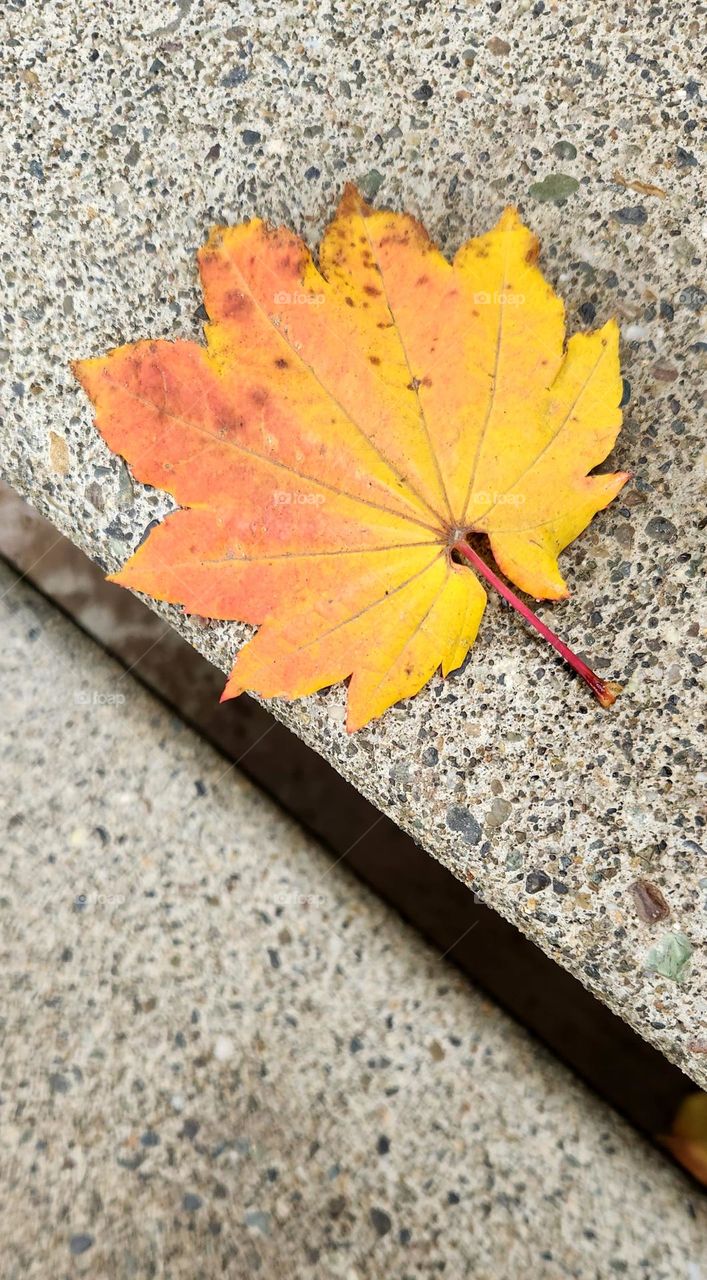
pixel 606 691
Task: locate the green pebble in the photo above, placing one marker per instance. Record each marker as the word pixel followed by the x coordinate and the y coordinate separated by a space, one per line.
pixel 370 185
pixel 565 150
pixel 670 956
pixel 556 186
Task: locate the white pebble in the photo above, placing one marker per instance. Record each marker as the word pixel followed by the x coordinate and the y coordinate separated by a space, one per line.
pixel 223 1048
pixel 635 333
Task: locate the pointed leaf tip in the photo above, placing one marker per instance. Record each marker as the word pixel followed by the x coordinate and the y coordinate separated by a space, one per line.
pixel 352 201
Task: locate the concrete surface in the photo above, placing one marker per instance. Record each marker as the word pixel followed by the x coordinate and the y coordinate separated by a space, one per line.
pixel 126 136
pixel 222 1057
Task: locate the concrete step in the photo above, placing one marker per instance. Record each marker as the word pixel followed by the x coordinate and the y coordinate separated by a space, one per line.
pixel 508 773
pixel 222 1057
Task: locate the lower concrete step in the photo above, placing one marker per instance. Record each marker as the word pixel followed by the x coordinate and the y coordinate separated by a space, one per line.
pixel 222 1057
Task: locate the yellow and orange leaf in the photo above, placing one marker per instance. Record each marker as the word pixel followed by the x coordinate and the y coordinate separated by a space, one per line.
pixel 687 1139
pixel 345 426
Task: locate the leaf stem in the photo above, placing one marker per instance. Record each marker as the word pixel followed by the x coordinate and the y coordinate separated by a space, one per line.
pixel 605 691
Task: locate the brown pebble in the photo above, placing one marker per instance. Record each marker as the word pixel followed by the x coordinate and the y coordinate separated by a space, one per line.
pixel 664 372
pixel 650 903
pixel 58 454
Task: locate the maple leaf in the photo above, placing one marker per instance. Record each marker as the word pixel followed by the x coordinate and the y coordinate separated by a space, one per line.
pixel 345 431
pixel 687 1139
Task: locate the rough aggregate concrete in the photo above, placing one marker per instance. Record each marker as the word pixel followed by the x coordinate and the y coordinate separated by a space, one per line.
pixel 222 1057
pixel 127 135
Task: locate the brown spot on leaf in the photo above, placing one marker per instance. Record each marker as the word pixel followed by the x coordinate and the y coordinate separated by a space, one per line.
pixel 371 290
pixel 282 363
pixel 374 359
pixel 229 424
pixel 235 303
pixel 421 280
